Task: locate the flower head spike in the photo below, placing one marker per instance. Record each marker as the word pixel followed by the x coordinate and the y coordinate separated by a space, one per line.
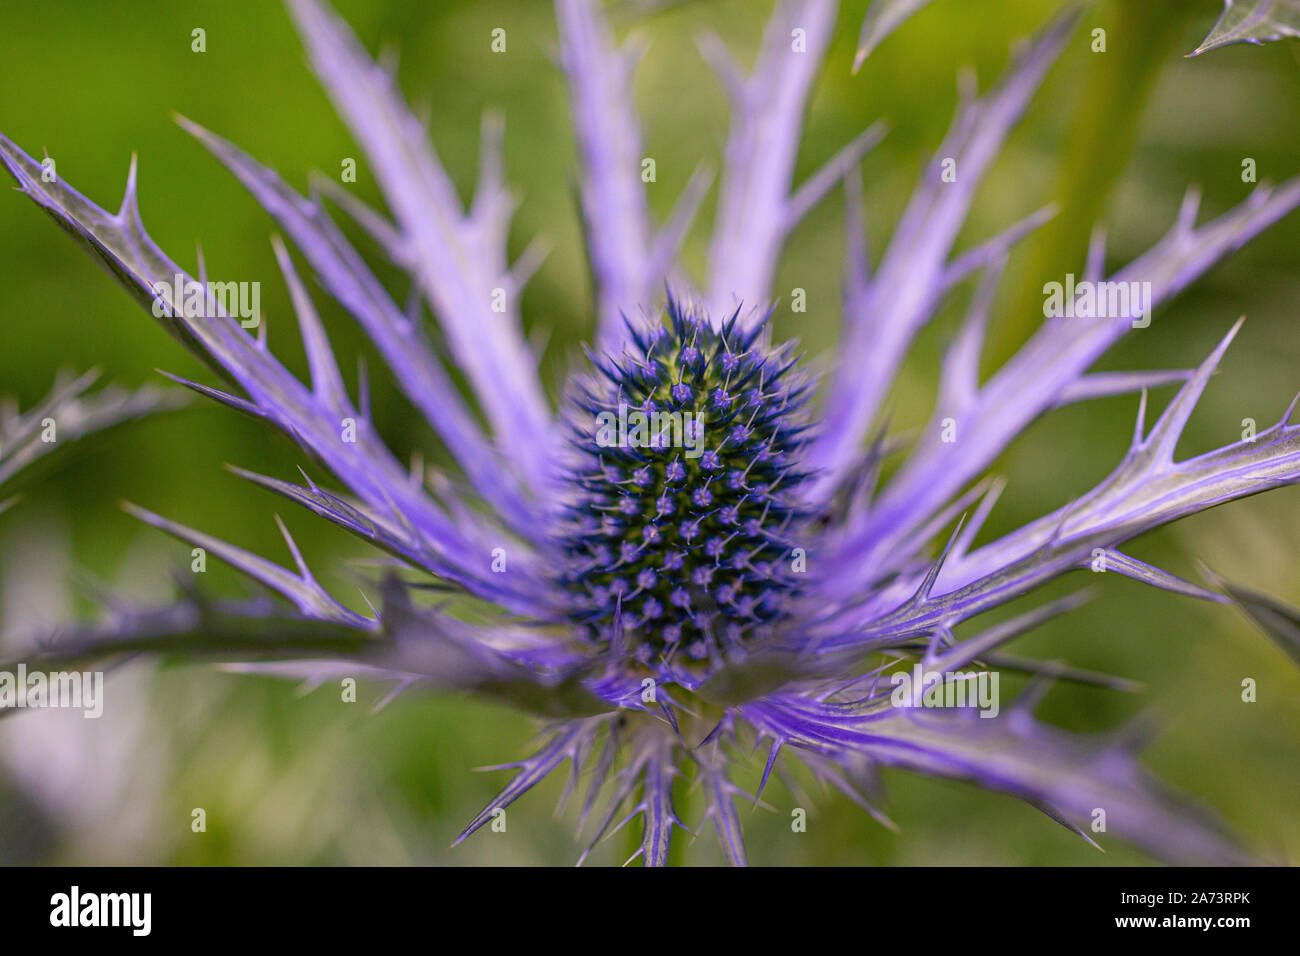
pixel 690 555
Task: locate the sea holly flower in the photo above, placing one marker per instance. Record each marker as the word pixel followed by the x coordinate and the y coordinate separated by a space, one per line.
pixel 688 554
pixel 1252 21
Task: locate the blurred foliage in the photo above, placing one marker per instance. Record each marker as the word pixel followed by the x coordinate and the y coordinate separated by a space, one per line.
pixel 1115 137
pixel 1128 59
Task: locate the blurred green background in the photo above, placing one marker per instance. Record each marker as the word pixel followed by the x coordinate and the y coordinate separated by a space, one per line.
pixel 287 778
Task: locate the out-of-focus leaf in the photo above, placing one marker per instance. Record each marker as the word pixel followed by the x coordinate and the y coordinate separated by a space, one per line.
pixel 1279 621
pixel 1068 774
pixel 69 412
pixel 1252 21
pixel 882 19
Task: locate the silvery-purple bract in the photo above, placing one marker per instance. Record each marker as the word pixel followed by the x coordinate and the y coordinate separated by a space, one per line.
pixel 662 612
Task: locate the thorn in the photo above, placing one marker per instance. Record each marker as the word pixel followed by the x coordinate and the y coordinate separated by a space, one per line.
pixel 1139 427
pixel 293 549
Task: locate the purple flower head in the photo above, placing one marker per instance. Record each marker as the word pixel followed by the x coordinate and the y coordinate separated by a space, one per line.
pixel 736 575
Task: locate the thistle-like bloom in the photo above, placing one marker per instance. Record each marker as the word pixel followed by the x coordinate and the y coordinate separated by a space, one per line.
pixel 688 554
